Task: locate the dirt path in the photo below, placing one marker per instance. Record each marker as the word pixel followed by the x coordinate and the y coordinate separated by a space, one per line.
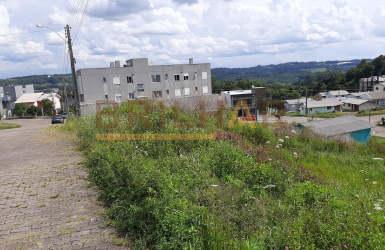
pixel 46 201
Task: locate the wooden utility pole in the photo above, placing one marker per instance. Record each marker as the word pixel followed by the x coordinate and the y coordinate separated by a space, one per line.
pixel 77 101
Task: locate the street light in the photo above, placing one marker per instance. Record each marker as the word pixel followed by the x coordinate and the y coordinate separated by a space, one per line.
pixel 69 44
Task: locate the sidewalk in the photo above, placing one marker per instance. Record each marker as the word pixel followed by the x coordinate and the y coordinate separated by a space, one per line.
pixel 46 201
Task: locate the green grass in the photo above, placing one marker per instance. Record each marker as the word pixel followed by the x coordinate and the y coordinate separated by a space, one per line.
pixel 267 187
pixel 8 125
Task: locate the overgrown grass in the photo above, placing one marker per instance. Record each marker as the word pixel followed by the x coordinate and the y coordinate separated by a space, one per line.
pixel 8 125
pixel 262 187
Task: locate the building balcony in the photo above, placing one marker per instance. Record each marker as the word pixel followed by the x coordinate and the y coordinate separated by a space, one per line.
pixel 6 99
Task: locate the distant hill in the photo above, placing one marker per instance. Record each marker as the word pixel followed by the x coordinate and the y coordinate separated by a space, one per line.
pixel 285 73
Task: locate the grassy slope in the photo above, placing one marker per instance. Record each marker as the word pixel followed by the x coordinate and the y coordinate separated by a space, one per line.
pixel 246 190
pixel 7 125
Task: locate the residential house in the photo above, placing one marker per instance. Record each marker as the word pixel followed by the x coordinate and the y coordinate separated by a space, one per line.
pixel 316 107
pixel 320 96
pixel 377 97
pixel 236 97
pixel 294 104
pixel 344 127
pixel 9 94
pixel 353 104
pixel 337 94
pixel 355 95
pixel 137 79
pixel 36 99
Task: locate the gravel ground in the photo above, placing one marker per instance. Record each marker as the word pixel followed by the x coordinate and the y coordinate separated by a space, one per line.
pixel 46 201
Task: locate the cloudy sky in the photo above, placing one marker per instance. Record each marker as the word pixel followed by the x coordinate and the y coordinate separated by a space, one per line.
pixel 225 33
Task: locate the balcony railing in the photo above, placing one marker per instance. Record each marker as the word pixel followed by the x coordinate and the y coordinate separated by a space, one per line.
pixel 6 99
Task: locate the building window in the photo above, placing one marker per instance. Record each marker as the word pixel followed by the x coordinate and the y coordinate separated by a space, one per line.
pixel 176 77
pixel 185 76
pixel 104 79
pixel 187 91
pixel 130 79
pixel 157 94
pixel 116 80
pixel 118 97
pixel 155 78
pixel 106 97
pixel 140 87
pixel 195 75
pixel 376 88
pixel 167 92
pixel 204 75
pixel 196 89
pixel 81 97
pixel 329 107
pixel 131 95
pixel 205 89
pixel 349 105
pixel 177 93
pixel 311 109
pixel 165 76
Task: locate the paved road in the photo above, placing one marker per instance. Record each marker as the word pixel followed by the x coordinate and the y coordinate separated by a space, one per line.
pixel 46 201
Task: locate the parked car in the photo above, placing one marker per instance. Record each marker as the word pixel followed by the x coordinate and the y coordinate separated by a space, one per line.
pixel 57 119
pixel 65 115
pixel 248 118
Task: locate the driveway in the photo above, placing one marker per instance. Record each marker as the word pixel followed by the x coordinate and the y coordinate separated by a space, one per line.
pixel 46 200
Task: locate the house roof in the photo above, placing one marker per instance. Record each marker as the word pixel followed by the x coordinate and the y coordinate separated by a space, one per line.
pixel 376 95
pixel 29 98
pixel 338 92
pixel 354 101
pixel 357 94
pixel 322 93
pixel 326 103
pixel 339 125
pixel 298 101
pixel 48 96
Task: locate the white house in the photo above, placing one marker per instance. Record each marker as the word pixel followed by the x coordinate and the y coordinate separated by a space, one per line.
pixel 36 99
pixel 353 104
pixel 293 104
pixel 379 87
pixel 377 97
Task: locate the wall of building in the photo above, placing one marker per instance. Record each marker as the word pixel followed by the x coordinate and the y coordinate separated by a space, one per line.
pixel 313 111
pixel 141 80
pixel 14 92
pixel 379 88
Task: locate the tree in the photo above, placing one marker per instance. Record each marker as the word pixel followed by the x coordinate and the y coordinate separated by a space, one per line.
pixel 32 110
pixel 20 109
pixel 47 107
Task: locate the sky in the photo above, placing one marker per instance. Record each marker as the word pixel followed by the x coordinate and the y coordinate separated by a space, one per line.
pixel 225 33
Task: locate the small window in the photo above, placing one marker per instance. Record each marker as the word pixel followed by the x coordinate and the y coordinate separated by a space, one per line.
pixel 311 109
pixel 131 95
pixel 185 76
pixel 187 91
pixel 167 92
pixel 104 79
pixel 176 78
pixel 118 97
pixel 81 96
pixel 129 79
pixel 376 88
pixel 177 92
pixel 195 75
pixel 116 80
pixel 205 89
pixel 196 89
pixel 157 94
pixel 204 75
pixel 165 76
pixel 140 87
pixel 106 97
pixel 329 107
pixel 155 78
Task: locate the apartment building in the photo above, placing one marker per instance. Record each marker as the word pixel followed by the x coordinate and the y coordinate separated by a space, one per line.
pixel 137 79
pixel 9 94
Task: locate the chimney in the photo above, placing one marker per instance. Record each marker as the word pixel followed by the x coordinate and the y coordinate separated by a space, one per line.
pixel 117 64
pixel 112 65
pixel 190 61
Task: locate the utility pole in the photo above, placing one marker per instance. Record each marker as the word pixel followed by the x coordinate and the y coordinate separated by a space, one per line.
pixel 77 101
pixel 306 103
